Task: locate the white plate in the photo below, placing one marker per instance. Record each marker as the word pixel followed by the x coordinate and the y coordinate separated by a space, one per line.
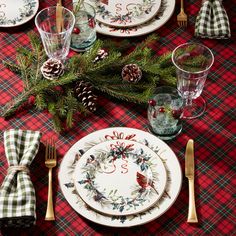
pixel 129 13
pixel 174 176
pixel 17 12
pixel 163 15
pixel 120 177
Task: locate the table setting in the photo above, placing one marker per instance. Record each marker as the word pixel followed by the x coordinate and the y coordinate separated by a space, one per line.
pixel 117 117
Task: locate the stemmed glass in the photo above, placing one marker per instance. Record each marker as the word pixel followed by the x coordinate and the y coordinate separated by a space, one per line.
pixel 56 38
pixel 193 62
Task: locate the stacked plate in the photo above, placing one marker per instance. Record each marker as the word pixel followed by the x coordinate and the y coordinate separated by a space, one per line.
pixel 17 12
pixel 120 177
pixel 131 18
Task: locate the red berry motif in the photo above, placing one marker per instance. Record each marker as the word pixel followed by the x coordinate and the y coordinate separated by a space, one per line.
pixel 152 102
pixel 91 23
pixel 76 30
pixel 161 109
pixel 176 114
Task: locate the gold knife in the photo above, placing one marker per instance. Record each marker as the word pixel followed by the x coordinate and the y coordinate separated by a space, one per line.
pixel 189 173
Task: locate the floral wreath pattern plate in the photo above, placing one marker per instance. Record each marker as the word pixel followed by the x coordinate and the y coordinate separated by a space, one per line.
pixel 129 13
pixel 169 159
pixel 17 12
pixel 120 177
pixel 162 16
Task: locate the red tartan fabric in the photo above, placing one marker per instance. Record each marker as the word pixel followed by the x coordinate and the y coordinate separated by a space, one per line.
pixel 214 135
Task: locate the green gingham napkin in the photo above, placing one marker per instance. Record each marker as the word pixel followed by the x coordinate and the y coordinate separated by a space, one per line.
pixel 212 21
pixel 17 194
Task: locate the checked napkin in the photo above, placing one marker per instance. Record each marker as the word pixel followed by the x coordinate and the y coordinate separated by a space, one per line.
pixel 17 194
pixel 212 21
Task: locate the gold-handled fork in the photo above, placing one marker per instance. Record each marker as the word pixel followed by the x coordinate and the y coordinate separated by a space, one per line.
pixel 182 17
pixel 50 162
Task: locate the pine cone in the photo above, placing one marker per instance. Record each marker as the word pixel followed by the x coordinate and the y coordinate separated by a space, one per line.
pixel 52 69
pixel 131 73
pixel 84 93
pixel 100 55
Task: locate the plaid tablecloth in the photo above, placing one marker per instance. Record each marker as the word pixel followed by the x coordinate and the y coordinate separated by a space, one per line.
pixel 214 135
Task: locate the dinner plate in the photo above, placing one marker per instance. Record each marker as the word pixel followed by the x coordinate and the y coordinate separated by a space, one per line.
pixel 17 12
pixel 169 159
pixel 163 15
pixel 120 177
pixel 129 13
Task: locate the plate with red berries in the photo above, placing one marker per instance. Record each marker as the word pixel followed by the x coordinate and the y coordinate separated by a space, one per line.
pixel 121 134
pixel 129 13
pixel 120 177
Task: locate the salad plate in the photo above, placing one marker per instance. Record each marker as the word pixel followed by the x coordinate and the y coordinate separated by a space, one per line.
pixel 129 13
pixel 162 16
pixel 17 12
pixel 167 156
pixel 120 177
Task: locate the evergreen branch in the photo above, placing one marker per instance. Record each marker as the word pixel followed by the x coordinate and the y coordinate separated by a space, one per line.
pixel 104 75
pixel 23 63
pixel 35 41
pixel 10 108
pixel 40 101
pixel 57 123
pixel 106 64
pixel 12 66
pixel 127 96
pixel 168 80
pixel 165 60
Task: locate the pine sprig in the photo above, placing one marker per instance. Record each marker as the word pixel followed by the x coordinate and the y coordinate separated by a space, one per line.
pixel 57 96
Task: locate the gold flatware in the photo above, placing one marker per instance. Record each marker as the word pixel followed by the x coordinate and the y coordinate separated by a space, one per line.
pixel 50 162
pixel 182 17
pixel 59 18
pixel 189 173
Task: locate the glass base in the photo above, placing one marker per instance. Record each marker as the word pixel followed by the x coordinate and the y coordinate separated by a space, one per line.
pixel 166 136
pixel 196 110
pixel 82 49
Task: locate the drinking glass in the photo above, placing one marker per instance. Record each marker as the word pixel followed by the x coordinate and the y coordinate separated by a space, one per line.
pixel 165 112
pixel 84 33
pixel 56 38
pixel 193 62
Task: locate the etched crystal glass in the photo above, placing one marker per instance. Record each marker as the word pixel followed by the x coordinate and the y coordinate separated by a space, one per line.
pixel 56 38
pixel 193 62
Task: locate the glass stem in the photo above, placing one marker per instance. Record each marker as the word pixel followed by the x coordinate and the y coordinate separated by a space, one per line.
pixel 188 102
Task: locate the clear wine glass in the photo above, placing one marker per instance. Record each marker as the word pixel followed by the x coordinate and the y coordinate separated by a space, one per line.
pixel 193 62
pixel 56 38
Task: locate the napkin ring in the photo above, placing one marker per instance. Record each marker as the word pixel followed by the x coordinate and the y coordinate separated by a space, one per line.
pixel 18 168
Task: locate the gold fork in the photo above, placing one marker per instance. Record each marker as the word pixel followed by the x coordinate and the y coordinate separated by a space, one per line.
pixel 182 17
pixel 50 162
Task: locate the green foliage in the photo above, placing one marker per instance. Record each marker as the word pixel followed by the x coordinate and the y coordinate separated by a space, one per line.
pixel 58 96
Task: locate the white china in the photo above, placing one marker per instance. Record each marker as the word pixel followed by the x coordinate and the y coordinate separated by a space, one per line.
pixel 129 13
pixel 17 12
pixel 120 177
pixel 163 15
pixel 173 186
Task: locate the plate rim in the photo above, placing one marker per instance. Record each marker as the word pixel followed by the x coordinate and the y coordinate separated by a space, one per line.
pixel 27 19
pixel 131 213
pixel 88 216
